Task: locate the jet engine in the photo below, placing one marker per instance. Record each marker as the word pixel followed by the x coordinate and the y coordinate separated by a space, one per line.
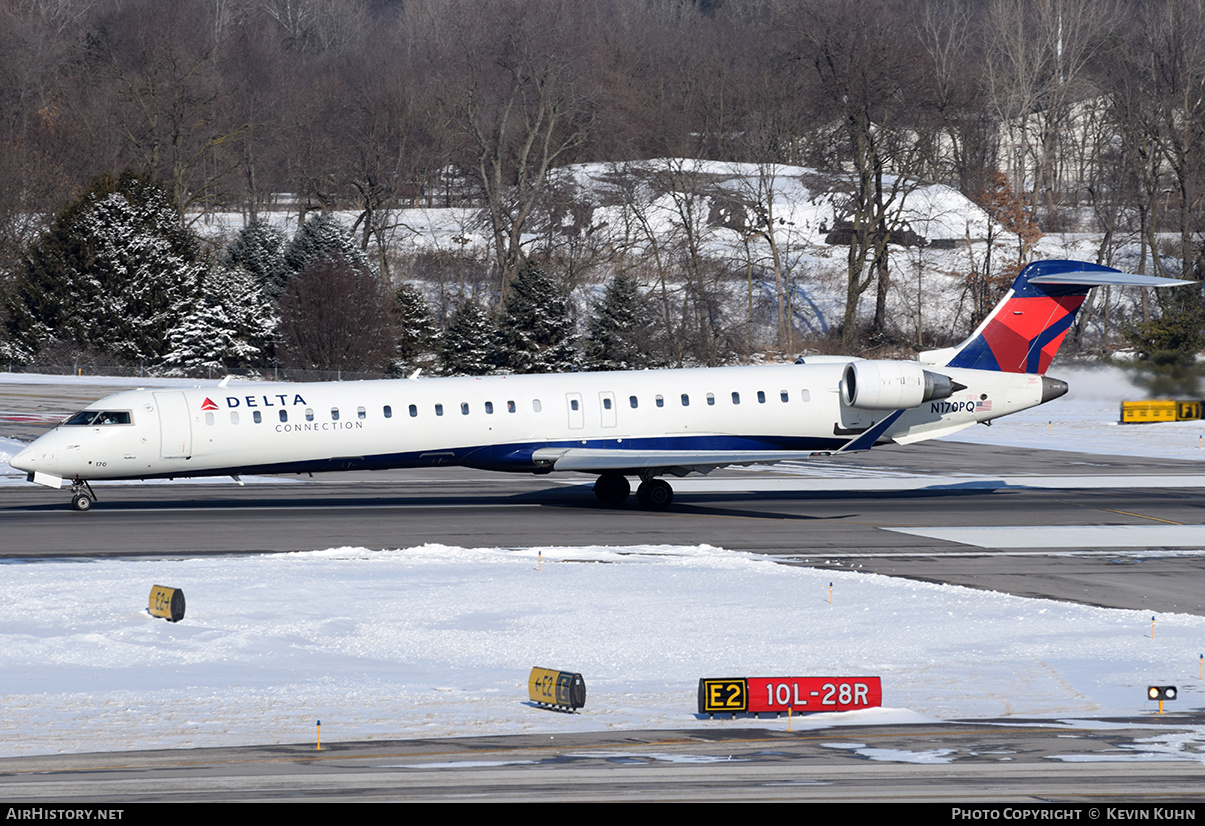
pixel 892 385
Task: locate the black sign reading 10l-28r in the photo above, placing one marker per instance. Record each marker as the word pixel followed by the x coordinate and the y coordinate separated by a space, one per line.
pixel 755 695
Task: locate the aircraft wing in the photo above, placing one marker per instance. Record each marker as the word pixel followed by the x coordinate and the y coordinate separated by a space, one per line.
pixel 680 462
pixel 595 460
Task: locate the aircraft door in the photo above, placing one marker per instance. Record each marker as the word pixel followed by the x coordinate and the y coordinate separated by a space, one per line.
pixel 577 414
pixel 606 408
pixel 175 425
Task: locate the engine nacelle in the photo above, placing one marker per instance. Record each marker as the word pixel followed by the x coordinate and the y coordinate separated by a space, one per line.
pixel 892 385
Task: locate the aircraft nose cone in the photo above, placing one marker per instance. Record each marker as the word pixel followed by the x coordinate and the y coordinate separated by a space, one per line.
pixel 24 460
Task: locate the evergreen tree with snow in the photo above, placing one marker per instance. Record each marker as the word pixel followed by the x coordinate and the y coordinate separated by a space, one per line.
pixel 229 323
pixel 466 347
pixel 258 249
pixel 536 333
pixel 110 275
pixel 417 334
pixel 322 237
pixel 622 330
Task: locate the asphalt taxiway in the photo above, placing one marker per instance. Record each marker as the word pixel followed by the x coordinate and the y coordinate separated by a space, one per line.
pixel 1093 767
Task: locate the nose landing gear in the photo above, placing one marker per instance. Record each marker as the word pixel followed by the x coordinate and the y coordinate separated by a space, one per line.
pixel 82 496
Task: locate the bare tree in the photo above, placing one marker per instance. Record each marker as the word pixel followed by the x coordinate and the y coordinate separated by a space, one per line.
pixel 516 96
pixel 867 117
pixel 162 58
pixel 335 316
pixel 1037 60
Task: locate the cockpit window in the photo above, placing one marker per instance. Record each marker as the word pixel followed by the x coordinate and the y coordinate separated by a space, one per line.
pixel 100 417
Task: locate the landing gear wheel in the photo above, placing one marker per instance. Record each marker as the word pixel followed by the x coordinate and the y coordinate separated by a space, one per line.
pixel 81 502
pixel 655 494
pixel 612 488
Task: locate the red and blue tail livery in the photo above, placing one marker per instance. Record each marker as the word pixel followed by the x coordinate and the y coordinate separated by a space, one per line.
pixel 1024 331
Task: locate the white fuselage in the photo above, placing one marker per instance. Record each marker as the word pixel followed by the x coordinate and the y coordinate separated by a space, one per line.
pixel 494 422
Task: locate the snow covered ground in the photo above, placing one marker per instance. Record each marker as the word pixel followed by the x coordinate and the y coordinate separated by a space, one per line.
pixel 438 641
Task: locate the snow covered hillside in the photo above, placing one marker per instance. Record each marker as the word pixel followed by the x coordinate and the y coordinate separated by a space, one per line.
pixel 753 223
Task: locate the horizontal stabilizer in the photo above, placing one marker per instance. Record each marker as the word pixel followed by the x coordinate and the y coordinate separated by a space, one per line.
pixel 1087 278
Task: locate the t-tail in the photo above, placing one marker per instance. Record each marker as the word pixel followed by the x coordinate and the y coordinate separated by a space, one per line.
pixel 1023 333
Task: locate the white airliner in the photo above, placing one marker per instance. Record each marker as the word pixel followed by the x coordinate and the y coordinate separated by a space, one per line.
pixel 644 424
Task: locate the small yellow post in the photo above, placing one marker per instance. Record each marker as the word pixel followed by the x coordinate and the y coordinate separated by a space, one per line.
pixel 1049 427
pixel 1152 627
pixel 540 562
pixel 830 593
pixel 788 718
pixel 1202 676
pixel 319 736
pixel 1160 706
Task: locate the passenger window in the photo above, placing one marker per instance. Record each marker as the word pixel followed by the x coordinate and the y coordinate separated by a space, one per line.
pixel 736 397
pixel 334 414
pixel 573 404
pixel 711 398
pixel 257 417
pixel 361 413
pixel 209 418
pixel 685 400
pixel 536 406
pixel 413 411
pixel 510 407
pixel 388 412
pixel 606 404
pixel 309 415
pixel 632 401
pixel 439 410
pixel 661 401
pixel 284 415
pixel 784 395
pixel 805 395
pixel 464 408
pixel 761 397
pixel 489 408
pixel 234 417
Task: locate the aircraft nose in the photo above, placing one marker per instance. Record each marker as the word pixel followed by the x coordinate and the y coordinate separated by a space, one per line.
pixel 24 460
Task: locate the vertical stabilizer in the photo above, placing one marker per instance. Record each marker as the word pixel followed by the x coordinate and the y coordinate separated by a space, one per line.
pixel 1023 333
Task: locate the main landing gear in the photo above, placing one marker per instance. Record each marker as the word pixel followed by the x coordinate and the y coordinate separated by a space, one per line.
pixel 612 489
pixel 82 496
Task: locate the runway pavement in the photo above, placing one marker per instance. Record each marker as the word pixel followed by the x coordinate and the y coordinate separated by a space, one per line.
pixel 1085 768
